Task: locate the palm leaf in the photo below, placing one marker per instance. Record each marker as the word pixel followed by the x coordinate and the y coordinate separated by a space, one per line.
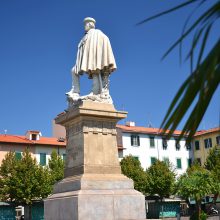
pixel 186 24
pixel 200 86
pixel 203 18
pixel 203 82
pixel 167 11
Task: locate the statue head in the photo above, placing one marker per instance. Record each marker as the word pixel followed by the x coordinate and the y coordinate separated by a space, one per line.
pixel 89 23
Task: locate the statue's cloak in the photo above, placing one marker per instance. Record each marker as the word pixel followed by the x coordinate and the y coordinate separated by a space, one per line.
pixel 94 54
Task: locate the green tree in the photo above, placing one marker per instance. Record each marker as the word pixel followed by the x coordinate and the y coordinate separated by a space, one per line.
pixel 201 85
pixel 7 170
pixel 56 166
pixel 24 180
pixel 195 184
pixel 161 179
pixel 131 168
pixel 213 165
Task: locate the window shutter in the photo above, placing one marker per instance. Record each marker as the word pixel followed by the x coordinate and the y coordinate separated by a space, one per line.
pixel 210 142
pixel 153 160
pixel 132 140
pixel 179 164
pixel 189 162
pixel 18 155
pixel 42 159
pixel 138 140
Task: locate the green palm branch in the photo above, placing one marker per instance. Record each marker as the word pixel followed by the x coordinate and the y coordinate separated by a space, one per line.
pixel 200 86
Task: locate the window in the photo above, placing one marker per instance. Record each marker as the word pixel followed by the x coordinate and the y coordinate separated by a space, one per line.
pixel 178 163
pixel 34 137
pixel 42 159
pixel 208 143
pixel 135 140
pixel 18 155
pixel 152 144
pixel 198 161
pixel 177 145
pixel 218 140
pixel 136 157
pixel 164 144
pixel 189 162
pixel 166 160
pixel 197 145
pixel 120 153
pixel 64 157
pixel 188 146
pixel 153 160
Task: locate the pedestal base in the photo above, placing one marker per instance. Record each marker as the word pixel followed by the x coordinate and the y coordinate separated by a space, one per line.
pixel 93 187
pixel 101 199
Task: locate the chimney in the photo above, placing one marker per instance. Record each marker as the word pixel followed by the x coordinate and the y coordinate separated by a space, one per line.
pixel 130 123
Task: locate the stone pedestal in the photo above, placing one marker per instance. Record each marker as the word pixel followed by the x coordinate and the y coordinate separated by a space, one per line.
pixel 93 187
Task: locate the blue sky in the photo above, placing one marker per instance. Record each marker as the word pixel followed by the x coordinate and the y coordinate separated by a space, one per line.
pixel 38 45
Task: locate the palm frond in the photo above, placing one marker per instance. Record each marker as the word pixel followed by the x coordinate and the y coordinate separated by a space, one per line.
pixel 205 17
pixel 200 86
pixel 167 11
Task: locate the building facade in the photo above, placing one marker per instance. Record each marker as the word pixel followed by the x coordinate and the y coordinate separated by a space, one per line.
pixel 148 144
pixel 144 143
pixel 203 141
pixel 39 147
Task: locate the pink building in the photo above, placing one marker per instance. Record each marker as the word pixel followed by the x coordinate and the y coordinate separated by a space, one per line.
pixel 40 147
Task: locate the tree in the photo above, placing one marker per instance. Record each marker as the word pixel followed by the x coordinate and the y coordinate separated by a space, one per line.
pixel 56 166
pixel 195 184
pixel 200 86
pixel 131 167
pixel 161 179
pixel 213 165
pixel 7 169
pixel 24 181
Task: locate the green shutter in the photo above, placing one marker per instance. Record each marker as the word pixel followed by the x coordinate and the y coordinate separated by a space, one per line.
pixel 189 162
pixel 136 157
pixel 179 164
pixel 152 144
pixel 132 140
pixel 138 141
pixel 153 160
pixel 18 155
pixel 42 159
pixel 64 157
pixel 166 160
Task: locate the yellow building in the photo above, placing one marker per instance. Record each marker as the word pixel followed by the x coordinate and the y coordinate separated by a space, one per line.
pixel 203 141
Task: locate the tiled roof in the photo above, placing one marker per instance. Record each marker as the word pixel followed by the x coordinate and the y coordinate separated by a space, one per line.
pixel 157 131
pixel 23 140
pixel 144 130
pixel 211 130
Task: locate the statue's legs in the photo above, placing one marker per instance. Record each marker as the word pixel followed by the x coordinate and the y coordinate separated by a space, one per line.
pixel 105 83
pixel 74 92
pixel 96 86
pixel 76 83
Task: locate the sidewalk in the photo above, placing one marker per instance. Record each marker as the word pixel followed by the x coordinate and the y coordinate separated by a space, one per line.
pixel 187 218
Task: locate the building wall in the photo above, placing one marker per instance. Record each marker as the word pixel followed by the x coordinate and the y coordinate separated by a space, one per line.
pixel 7 147
pixel 48 150
pixel 144 152
pixel 58 130
pixel 35 150
pixel 203 152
